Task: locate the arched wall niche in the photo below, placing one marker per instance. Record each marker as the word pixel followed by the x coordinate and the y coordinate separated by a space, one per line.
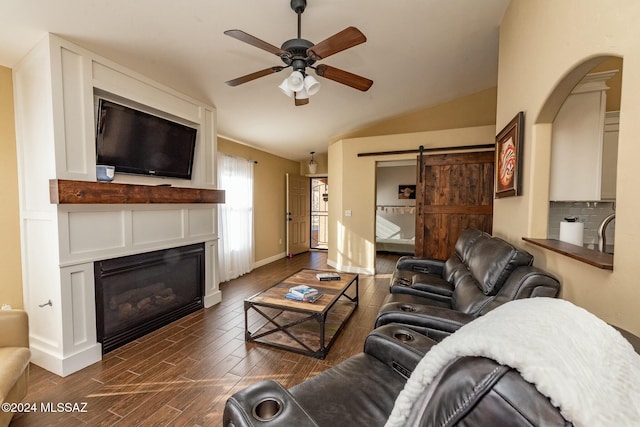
pixel 543 131
pixel 565 86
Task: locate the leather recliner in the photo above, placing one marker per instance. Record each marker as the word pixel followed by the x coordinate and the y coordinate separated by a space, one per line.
pixel 435 278
pixel 362 390
pixel 357 392
pixel 493 272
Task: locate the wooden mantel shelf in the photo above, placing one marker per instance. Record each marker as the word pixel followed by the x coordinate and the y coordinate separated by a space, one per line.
pixel 588 256
pixel 63 191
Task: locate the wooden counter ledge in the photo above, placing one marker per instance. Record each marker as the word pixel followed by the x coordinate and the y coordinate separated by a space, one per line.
pixel 589 256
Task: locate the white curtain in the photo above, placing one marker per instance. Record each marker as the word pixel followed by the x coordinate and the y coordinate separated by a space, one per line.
pixel 235 218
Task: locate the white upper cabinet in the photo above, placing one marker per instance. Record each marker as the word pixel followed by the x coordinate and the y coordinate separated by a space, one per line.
pixel 577 155
pixel 610 155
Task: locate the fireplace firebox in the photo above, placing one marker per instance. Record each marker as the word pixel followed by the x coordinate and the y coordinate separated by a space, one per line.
pixel 140 293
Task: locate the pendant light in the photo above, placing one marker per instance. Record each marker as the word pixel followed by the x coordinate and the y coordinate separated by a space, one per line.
pixel 313 165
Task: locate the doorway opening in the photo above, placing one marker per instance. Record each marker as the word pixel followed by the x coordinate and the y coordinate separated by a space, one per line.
pixel 319 238
pixel 396 206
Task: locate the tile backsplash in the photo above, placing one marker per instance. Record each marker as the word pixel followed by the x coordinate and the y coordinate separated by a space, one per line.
pixel 589 213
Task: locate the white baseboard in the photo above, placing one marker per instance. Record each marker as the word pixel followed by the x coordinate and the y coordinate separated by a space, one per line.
pixel 269 260
pixel 212 299
pixel 68 365
pixel 350 268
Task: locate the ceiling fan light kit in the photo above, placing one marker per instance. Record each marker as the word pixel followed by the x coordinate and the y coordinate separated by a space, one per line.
pixel 296 81
pixel 284 87
pixel 300 54
pixel 311 85
pixel 302 94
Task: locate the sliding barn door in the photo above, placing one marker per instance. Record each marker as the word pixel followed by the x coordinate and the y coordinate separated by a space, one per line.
pixel 454 192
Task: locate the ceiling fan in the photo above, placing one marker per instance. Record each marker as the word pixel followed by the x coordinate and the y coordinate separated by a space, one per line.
pixel 300 54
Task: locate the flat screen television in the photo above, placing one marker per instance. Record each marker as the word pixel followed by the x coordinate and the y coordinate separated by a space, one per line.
pixel 140 143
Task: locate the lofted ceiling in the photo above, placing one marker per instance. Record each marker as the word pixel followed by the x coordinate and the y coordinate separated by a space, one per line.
pixel 419 53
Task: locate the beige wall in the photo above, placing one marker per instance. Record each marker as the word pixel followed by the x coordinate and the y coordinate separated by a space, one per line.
pixel 269 197
pixel 352 238
pixel 541 58
pixel 477 109
pixel 469 120
pixel 11 276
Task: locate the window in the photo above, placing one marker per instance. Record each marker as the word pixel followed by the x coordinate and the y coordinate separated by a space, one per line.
pixel 235 217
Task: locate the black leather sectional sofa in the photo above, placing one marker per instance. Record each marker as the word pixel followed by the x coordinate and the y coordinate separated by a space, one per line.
pixel 431 300
pixel 357 392
pixel 362 391
pixel 437 297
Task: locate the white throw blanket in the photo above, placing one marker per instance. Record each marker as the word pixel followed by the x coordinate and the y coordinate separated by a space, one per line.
pixel 584 366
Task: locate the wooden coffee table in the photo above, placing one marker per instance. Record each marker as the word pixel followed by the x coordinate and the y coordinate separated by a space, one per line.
pixel 301 327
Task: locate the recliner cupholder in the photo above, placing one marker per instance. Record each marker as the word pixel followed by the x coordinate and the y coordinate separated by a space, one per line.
pixel 267 409
pixel 403 336
pixel 407 307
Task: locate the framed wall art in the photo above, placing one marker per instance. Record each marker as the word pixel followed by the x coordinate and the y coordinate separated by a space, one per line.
pixel 406 192
pixel 509 150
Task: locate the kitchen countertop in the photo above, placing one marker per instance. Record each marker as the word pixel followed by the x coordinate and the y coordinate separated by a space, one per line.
pixel 580 253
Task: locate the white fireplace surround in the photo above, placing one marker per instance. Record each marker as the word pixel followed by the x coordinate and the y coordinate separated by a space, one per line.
pixel 55 87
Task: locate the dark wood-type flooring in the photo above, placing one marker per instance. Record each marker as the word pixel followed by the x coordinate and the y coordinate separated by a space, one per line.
pixel 182 374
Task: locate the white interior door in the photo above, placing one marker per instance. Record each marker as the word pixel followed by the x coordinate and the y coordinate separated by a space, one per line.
pixel 298 214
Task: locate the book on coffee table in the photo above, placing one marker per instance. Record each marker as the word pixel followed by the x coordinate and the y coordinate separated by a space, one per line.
pixel 308 298
pixel 303 291
pixel 327 276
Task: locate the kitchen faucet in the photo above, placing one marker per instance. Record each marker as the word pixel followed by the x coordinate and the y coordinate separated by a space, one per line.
pixel 602 238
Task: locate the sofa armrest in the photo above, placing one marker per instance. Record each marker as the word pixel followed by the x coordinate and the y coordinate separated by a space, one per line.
pixel 420 265
pixel 398 347
pixel 266 403
pixel 525 282
pixel 422 293
pixel 14 325
pixel 432 321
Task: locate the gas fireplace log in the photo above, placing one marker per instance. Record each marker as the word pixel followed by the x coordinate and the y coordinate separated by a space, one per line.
pixel 166 292
pixel 134 295
pixel 126 311
pixel 144 303
pixel 162 301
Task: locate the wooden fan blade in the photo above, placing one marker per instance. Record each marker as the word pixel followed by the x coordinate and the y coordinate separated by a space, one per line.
pixel 254 41
pixel 300 102
pixel 253 76
pixel 344 77
pixel 338 42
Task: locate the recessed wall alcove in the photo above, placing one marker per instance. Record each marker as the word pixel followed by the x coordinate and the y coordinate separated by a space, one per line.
pixel 543 135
